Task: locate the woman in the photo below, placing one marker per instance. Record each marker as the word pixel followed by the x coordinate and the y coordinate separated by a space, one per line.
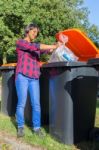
pixel 27 77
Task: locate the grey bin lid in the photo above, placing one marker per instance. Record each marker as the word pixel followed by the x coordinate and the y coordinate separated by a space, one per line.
pixel 94 61
pixel 65 64
pixel 59 64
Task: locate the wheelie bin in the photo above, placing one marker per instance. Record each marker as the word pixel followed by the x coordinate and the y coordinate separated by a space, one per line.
pixel 72 100
pixel 73 91
pixel 9 96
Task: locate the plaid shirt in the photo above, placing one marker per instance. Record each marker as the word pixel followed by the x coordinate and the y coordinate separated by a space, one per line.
pixel 28 58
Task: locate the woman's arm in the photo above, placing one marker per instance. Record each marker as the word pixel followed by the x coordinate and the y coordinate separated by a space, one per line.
pixel 45 47
pixel 26 46
pixel 52 47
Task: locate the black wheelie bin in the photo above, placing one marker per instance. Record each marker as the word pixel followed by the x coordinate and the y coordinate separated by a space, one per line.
pixel 9 96
pixel 73 90
pixel 72 100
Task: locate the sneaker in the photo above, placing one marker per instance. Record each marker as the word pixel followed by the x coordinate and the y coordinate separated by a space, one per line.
pixel 20 132
pixel 40 133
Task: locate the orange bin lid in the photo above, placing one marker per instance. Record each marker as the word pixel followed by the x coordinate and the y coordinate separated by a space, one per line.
pixel 14 64
pixel 9 65
pixel 80 44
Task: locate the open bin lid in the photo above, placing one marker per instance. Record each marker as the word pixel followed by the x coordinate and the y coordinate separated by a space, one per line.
pixel 80 44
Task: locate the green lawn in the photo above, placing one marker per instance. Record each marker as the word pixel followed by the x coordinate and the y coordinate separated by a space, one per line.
pixel 7 125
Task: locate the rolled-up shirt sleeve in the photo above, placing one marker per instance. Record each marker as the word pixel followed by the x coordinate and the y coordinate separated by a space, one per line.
pixel 26 46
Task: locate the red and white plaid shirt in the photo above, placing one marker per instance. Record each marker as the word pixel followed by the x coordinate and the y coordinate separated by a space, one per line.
pixel 28 58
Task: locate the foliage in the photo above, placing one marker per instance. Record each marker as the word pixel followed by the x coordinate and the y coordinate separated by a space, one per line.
pixel 94 35
pixel 51 15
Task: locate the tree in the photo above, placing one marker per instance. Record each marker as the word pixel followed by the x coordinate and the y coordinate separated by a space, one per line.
pixel 51 15
pixel 93 33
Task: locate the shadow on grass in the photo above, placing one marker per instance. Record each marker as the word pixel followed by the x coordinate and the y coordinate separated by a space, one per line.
pixel 13 120
pixel 97 103
pixel 90 145
pixel 93 143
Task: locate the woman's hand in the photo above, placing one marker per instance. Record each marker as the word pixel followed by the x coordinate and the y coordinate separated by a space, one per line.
pixel 56 45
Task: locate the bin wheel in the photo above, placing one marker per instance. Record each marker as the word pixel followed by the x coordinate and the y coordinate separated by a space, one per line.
pixel 94 134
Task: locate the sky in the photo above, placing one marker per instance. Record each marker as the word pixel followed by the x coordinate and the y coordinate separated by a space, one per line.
pixel 93 7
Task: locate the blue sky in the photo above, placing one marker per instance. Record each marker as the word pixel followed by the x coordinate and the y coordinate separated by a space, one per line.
pixel 93 7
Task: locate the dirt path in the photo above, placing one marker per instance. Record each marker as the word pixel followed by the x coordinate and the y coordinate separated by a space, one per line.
pixel 7 142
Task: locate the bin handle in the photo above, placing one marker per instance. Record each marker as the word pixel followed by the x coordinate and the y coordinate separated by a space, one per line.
pixel 80 77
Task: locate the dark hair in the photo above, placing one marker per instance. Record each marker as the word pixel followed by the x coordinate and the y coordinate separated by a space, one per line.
pixel 30 27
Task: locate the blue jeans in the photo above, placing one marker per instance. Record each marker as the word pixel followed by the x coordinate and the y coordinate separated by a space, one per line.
pixel 23 84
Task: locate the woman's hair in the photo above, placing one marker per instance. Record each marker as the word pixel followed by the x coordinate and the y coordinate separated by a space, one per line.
pixel 30 27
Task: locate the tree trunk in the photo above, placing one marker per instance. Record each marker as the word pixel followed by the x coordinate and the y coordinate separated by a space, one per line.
pixel 4 58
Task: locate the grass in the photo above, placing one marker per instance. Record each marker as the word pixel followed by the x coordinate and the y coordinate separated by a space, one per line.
pixel 7 125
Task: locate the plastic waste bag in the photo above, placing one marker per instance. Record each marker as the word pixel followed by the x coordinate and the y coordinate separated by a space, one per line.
pixel 63 53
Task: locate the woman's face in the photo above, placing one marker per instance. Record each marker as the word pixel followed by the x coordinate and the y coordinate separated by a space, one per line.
pixel 32 34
